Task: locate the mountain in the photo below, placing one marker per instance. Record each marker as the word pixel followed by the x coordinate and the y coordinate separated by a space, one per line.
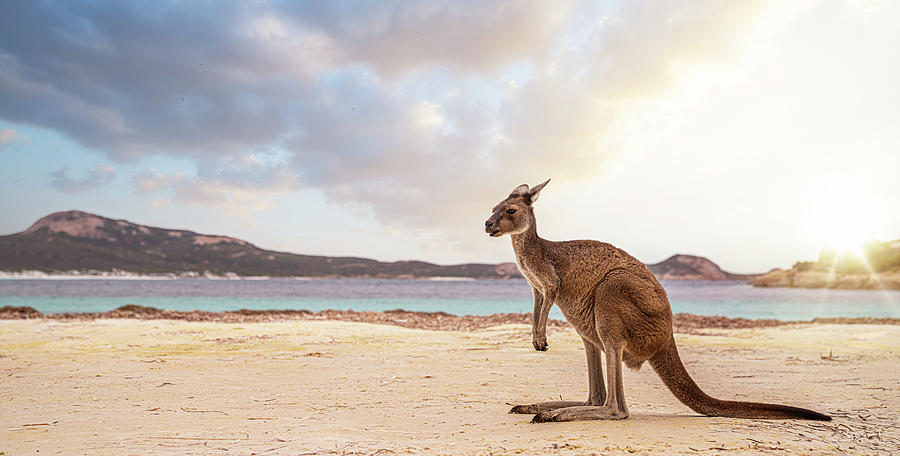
pixel 690 267
pixel 79 241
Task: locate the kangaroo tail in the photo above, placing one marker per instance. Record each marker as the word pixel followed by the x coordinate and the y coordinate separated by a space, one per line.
pixel 668 366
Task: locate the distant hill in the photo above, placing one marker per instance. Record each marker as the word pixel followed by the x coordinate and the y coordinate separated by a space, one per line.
pixel 79 241
pixel 690 267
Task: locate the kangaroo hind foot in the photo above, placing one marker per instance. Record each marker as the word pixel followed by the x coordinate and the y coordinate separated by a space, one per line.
pixel 531 409
pixel 580 413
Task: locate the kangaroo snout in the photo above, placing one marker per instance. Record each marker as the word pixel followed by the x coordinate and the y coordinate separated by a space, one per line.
pixel 491 228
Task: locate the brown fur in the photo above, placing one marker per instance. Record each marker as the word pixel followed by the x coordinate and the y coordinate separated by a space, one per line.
pixel 618 307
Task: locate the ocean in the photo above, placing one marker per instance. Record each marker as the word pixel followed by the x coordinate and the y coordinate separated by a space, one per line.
pixel 458 297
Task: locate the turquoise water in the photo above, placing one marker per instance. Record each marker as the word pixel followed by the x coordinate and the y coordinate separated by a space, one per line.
pixel 476 297
pixel 60 304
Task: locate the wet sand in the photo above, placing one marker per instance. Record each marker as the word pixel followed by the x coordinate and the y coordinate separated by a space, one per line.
pixel 312 386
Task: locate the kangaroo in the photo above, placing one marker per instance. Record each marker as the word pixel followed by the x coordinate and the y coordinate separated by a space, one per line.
pixel 618 308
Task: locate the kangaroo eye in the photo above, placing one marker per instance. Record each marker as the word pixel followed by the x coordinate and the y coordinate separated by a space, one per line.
pixel 511 211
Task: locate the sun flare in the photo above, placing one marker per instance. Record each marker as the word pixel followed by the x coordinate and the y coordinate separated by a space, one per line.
pixel 845 223
pixel 846 237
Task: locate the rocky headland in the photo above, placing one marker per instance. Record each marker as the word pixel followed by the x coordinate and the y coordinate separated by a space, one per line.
pixel 875 266
pixel 826 279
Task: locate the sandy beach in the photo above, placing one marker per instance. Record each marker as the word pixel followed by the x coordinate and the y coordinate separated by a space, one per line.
pixel 303 387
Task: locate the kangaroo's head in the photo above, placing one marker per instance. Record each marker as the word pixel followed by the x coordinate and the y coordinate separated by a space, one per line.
pixel 515 214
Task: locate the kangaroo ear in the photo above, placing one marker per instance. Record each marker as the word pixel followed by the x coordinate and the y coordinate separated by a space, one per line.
pixel 534 192
pixel 520 190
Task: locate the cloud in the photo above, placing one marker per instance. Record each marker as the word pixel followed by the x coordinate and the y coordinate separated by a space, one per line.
pixel 399 36
pixel 424 112
pixel 94 178
pixel 443 166
pixel 149 181
pixel 9 136
pixel 233 199
pixel 239 186
pixel 228 77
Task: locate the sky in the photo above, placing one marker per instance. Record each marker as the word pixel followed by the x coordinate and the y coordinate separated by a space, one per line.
pixel 753 133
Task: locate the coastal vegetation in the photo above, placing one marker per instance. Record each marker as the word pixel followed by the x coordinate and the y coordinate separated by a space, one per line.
pixel 873 265
pixel 872 256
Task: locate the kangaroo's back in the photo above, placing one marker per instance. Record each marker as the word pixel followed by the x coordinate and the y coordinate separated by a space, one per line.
pixel 584 262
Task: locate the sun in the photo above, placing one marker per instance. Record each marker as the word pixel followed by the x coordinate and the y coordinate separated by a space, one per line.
pixel 845 236
pixel 845 223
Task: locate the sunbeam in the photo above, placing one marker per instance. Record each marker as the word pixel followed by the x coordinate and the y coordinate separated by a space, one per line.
pixel 874 276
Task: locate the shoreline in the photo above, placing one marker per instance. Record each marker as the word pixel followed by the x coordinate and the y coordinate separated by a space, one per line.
pixel 126 275
pixel 684 323
pixel 777 278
